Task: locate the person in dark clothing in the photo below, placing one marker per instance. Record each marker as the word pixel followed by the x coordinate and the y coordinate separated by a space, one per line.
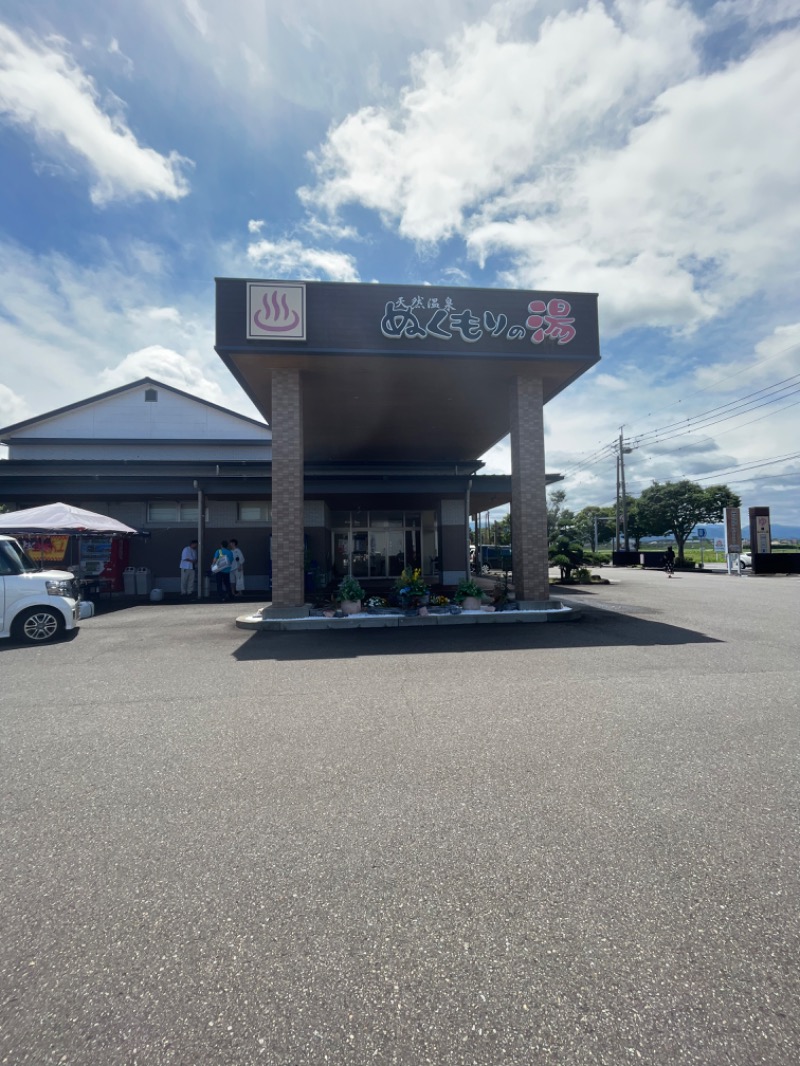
pixel 669 561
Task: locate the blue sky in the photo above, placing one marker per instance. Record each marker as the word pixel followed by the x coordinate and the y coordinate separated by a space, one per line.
pixel 646 150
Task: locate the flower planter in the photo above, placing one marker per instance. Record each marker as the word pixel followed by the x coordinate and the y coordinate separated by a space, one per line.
pixel 351 606
pixel 471 603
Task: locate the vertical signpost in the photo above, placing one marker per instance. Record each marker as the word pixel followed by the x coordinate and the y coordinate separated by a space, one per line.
pixel 763 540
pixel 701 533
pixel 733 537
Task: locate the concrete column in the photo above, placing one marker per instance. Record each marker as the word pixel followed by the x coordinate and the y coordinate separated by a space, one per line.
pixel 528 488
pixel 288 591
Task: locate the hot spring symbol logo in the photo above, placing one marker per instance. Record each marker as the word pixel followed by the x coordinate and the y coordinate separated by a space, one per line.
pixel 276 311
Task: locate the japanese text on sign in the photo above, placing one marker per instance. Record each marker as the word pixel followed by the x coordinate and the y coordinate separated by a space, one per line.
pixel 430 317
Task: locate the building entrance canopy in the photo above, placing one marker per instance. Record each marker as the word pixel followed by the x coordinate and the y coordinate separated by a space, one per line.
pixel 398 372
pixel 378 374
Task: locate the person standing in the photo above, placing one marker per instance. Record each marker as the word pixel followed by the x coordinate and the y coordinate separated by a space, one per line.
pixel 221 565
pixel 669 561
pixel 237 574
pixel 188 568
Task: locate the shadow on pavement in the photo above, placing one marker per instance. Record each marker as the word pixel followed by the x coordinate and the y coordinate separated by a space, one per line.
pixel 598 628
pixel 118 602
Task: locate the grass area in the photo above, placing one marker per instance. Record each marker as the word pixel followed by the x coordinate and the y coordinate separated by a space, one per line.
pixel 693 554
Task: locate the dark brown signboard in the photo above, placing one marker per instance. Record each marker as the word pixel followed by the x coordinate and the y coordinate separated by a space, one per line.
pixel 329 318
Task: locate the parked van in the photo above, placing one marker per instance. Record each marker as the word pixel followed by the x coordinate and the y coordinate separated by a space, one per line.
pixel 35 605
pixel 492 557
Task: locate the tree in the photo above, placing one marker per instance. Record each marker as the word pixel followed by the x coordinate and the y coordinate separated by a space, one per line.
pixel 501 530
pixel 568 555
pixel 559 517
pixel 676 507
pixel 585 524
pixel 636 529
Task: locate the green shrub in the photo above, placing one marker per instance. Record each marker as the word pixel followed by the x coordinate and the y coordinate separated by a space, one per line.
pixel 467 588
pixel 349 589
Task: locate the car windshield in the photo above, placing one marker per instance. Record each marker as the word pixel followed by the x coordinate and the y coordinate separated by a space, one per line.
pixel 13 559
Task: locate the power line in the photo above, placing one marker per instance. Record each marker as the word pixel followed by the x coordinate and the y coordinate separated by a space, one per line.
pixel 593 459
pixel 722 377
pixel 746 402
pixel 754 465
pixel 786 388
pixel 684 431
pixel 733 428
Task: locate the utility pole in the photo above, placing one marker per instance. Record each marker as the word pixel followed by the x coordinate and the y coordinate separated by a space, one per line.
pixel 622 451
pixel 622 486
pixel 616 537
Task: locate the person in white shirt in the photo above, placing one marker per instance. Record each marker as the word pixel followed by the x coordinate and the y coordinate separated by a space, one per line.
pixel 188 568
pixel 237 573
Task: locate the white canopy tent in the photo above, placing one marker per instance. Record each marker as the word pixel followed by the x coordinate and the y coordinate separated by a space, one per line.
pixel 65 519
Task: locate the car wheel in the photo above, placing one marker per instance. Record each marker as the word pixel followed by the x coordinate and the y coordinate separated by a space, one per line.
pixel 38 625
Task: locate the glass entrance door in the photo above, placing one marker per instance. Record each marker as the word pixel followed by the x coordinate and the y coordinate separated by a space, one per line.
pixel 341 553
pixel 395 557
pixel 390 541
pixel 359 558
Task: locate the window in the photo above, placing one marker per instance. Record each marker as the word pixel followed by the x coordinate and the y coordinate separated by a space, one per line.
pixel 162 512
pixel 151 396
pixel 171 511
pixel 255 511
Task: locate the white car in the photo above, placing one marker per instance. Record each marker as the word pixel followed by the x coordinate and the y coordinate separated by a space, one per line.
pixel 35 605
pixel 745 560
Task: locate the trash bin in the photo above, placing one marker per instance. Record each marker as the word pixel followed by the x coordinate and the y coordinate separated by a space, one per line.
pixel 129 580
pixel 144 580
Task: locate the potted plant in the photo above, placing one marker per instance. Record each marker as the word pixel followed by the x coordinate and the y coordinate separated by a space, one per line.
pixel 411 589
pixel 350 594
pixel 469 594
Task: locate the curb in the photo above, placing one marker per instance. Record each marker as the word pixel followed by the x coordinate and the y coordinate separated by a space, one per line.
pixel 559 614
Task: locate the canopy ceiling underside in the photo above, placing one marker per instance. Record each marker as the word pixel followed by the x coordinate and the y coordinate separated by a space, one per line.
pixel 367 408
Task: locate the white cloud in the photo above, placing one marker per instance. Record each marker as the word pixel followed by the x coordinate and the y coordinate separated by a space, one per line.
pixel 665 421
pixel 173 368
pixel 197 16
pixel 289 258
pixel 776 358
pixel 762 13
pixel 89 328
pixel 157 314
pixel 492 106
pixel 498 459
pixel 592 156
pixel 319 56
pixel 13 408
pixel 125 61
pixel 43 91
pixel 330 230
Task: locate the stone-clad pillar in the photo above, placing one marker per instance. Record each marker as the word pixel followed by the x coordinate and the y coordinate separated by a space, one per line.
pixel 528 492
pixel 288 591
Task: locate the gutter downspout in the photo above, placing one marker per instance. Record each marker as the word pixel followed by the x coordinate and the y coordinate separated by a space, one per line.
pixel 466 501
pixel 201 528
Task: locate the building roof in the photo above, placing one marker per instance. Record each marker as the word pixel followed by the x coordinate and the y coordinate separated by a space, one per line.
pixel 8 432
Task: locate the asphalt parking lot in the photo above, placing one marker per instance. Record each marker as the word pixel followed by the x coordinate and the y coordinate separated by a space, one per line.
pixel 524 844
